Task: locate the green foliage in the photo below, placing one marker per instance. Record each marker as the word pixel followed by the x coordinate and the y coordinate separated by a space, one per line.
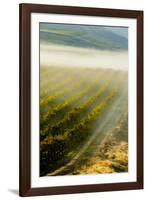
pixel 65 124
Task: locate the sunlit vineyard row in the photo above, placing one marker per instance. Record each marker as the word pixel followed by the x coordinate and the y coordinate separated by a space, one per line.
pixel 72 104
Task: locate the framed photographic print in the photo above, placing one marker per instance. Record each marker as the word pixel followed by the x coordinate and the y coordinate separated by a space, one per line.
pixel 81 99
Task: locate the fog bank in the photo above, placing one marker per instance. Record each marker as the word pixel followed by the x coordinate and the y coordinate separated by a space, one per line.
pixel 66 56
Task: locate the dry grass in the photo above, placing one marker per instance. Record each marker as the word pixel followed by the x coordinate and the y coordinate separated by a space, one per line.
pixel 111 157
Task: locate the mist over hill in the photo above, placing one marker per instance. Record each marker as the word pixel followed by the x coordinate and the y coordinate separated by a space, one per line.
pixel 83 46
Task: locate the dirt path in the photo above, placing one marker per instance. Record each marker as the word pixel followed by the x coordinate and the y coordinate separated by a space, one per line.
pixel 104 127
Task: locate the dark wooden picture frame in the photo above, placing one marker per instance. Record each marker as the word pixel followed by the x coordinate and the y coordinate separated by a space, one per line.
pixel 25 99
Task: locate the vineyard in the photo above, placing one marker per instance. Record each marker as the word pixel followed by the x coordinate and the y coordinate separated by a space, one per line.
pixel 80 108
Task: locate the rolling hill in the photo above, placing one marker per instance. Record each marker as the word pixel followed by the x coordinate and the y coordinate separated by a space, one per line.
pixel 85 36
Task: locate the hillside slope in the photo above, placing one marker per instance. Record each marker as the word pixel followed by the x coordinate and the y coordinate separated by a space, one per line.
pixel 96 37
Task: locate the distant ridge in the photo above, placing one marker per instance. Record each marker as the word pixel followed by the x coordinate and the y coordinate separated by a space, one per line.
pixel 96 37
